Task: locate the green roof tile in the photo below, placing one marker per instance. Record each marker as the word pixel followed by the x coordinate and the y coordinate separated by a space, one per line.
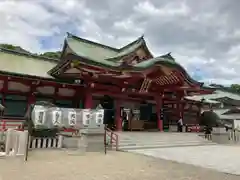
pixel 98 52
pixel 213 98
pixel 129 49
pixel 90 50
pixel 101 55
pixel 26 64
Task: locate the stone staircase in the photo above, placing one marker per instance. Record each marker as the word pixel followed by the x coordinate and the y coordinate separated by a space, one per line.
pixel 150 140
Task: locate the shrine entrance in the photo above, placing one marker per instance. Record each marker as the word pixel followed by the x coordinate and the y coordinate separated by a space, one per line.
pixel 138 116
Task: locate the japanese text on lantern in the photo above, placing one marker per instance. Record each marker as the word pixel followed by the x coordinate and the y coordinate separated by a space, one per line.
pixel 72 118
pixel 40 117
pixel 57 116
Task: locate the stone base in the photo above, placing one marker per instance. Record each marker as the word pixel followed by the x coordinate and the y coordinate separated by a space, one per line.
pixel 85 143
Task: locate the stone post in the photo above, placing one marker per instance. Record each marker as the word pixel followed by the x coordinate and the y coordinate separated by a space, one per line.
pixel 23 137
pixel 60 141
pixel 8 146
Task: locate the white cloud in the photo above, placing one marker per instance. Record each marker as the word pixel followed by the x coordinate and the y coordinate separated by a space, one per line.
pixel 23 22
pixel 169 10
pixel 203 36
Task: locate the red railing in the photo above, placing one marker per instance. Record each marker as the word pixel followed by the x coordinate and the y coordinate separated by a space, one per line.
pixel 193 128
pixel 71 130
pixel 113 137
pixel 13 124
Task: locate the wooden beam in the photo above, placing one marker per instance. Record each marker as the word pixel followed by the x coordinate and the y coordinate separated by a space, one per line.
pixel 28 81
pixel 4 90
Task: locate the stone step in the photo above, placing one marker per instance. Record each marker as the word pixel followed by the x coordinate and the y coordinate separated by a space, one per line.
pixel 153 146
pixel 132 141
pixel 141 143
pixel 162 140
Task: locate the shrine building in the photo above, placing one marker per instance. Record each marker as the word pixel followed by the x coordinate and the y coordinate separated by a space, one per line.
pixel 88 70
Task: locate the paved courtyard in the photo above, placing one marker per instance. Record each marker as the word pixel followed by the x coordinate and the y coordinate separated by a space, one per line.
pixel 219 157
pixel 58 165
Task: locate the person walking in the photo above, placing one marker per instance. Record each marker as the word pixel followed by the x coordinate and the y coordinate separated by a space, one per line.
pixel 208 132
pixel 180 125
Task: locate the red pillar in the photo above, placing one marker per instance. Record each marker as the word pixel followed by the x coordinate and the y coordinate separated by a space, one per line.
pixel 180 105
pixel 31 99
pixel 118 119
pixel 158 111
pixel 88 104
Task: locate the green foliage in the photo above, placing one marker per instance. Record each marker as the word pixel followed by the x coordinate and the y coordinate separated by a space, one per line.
pixel 53 55
pixel 235 88
pixel 209 118
pixel 8 46
pixel 13 48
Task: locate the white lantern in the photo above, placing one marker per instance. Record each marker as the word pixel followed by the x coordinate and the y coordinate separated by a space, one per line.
pixel 72 118
pixel 99 116
pixel 57 117
pixel 86 116
pixel 40 117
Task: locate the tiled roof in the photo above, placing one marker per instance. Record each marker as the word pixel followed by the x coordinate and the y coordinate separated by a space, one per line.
pixel 108 57
pixel 89 50
pixel 96 51
pixel 213 98
pixel 25 64
pixel 222 115
pixel 199 98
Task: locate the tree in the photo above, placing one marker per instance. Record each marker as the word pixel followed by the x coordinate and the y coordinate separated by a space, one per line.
pixel 54 55
pixel 14 48
pixel 235 88
pixel 209 118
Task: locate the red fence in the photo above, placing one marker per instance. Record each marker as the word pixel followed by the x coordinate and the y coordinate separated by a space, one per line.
pixel 193 128
pixel 9 123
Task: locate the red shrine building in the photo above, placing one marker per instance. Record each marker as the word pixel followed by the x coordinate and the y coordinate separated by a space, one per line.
pixel 88 70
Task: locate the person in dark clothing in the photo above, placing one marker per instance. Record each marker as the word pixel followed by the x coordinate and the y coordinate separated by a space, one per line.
pixel 208 132
pixel 180 125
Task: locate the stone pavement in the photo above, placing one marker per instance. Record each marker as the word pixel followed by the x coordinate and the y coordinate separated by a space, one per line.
pixel 222 158
pixel 60 165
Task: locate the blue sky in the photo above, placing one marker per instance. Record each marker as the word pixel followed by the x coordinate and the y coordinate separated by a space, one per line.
pixel 203 36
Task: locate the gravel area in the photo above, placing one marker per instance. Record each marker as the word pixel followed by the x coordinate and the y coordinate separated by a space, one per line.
pixel 58 165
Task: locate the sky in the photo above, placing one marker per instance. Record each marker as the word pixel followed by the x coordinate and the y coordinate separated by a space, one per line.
pixel 203 36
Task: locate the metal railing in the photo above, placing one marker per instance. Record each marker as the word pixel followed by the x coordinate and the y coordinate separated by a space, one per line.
pixel 111 138
pixel 232 136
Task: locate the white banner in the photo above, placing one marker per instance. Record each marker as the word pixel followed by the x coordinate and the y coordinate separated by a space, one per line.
pixel 72 118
